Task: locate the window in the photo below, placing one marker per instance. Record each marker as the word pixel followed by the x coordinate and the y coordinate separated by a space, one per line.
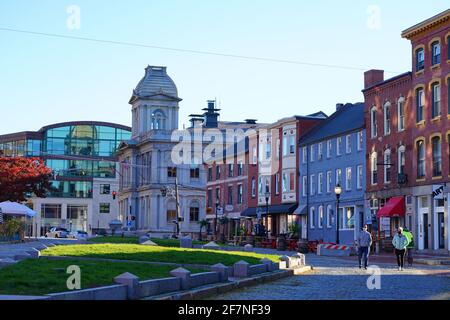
pixel 195 173
pixel 105 208
pixel 209 196
pixel 305 155
pixel 320 222
pixel 277 183
pixel 210 174
pixel 304 185
pixel 230 170
pixel 329 144
pixel 373 168
pixel 284 183
pixel 329 181
pixel 387 166
pixel 268 150
pixel 313 184
pixel 373 122
pixel 255 156
pixel 435 100
pixel 420 146
pixel 348 179
pixel 348 143
pixel 312 153
pixel 387 118
pixel 435 53
pixel 277 151
pixel 311 217
pixel 105 189
pixel 348 219
pixel 292 181
pixel 339 177
pixel 360 140
pixel 285 144
pixel 401 160
pixel 217 172
pixel 448 89
pixel 230 195
pixel 320 151
pixel 437 156
pixel 172 172
pixel 218 196
pixel 359 177
pixel 401 114
pixel 420 59
pixel 158 120
pixel 194 212
pixel 420 102
pixel 239 194
pixel 240 168
pixel 339 146
pixel 171 215
pixel 329 216
pixel 292 144
pixel 320 183
pixel 253 187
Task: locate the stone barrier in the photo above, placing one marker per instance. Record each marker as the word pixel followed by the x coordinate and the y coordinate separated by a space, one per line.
pixel 115 292
pixel 257 269
pixel 202 279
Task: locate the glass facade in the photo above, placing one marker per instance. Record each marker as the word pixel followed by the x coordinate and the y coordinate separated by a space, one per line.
pixel 21 148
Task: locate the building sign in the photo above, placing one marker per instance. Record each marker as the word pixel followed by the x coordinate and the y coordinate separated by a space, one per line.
pixel 229 208
pixel 438 192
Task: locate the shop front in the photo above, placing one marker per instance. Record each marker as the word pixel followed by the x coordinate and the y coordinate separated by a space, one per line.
pixel 390 217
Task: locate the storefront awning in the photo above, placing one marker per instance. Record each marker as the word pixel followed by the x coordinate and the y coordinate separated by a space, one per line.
pixel 273 209
pixel 395 207
pixel 301 210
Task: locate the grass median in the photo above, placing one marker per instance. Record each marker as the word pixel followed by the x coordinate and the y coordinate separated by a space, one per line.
pixel 135 252
pixel 43 276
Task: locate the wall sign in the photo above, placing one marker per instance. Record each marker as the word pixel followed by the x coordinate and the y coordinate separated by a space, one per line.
pixel 438 192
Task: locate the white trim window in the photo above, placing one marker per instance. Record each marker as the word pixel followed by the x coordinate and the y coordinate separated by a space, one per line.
pixel 254 155
pixel 329 181
pixel 347 217
pixel 360 140
pixel 348 179
pixel 311 217
pixel 339 177
pixel 305 154
pixel 359 177
pixel 292 144
pixel 253 187
pixel 320 217
pixel 401 160
pixel 312 153
pixel 320 183
pixel 387 118
pixel 284 182
pixel 373 122
pixel 285 144
pixel 401 114
pixel 313 185
pixel 320 151
pixel 304 186
pixel 329 216
pixel 348 143
pixel 373 169
pixel 387 166
pixel 329 146
pixel 277 184
pixel 339 146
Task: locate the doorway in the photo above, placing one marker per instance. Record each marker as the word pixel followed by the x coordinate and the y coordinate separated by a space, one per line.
pixel 423 223
pixel 441 230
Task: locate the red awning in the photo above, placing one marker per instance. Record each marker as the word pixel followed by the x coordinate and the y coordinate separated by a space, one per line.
pixel 394 207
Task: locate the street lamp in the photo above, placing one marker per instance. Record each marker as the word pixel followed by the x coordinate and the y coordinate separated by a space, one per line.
pixel 337 191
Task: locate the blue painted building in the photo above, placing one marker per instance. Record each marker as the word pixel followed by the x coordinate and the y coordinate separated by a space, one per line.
pixel 334 153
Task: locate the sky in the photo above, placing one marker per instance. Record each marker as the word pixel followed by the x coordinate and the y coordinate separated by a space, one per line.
pixel 45 80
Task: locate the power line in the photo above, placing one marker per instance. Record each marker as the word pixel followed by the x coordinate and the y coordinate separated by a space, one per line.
pixel 212 53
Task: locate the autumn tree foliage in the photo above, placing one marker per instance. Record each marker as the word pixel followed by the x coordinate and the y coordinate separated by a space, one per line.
pixel 20 177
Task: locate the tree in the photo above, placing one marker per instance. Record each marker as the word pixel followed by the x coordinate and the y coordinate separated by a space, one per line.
pixel 20 177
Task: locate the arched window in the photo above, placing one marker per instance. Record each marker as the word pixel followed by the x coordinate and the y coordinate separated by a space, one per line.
pixel 194 211
pixel 401 160
pixel 420 59
pixel 373 121
pixel 420 104
pixel 158 120
pixel 387 118
pixel 435 53
pixel 387 166
pixel 435 100
pixel 420 149
pixel 401 114
pixel 437 156
pixel 373 168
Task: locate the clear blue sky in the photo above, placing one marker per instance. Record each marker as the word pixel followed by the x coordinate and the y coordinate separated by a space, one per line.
pixel 46 80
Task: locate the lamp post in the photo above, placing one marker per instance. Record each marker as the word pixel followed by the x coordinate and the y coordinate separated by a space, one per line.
pixel 337 191
pixel 267 194
pixel 173 192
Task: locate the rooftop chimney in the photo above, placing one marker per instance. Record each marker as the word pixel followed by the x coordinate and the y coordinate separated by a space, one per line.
pixel 250 121
pixel 339 106
pixel 372 77
pixel 211 115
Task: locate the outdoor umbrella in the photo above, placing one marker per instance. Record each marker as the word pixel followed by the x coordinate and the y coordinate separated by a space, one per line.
pixel 17 209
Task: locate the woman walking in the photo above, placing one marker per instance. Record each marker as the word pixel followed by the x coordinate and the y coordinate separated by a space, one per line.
pixel 400 243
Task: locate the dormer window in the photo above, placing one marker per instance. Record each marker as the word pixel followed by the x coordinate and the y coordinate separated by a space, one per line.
pixel 158 120
pixel 420 59
pixel 435 53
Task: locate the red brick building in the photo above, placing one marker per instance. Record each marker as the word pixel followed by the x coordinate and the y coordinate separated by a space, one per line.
pixel 408 134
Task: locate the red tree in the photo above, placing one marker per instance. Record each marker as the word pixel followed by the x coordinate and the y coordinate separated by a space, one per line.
pixel 22 176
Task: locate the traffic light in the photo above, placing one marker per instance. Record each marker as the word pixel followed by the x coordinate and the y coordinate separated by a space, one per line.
pixel 114 194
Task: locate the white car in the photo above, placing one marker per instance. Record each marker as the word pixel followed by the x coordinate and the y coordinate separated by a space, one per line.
pixel 81 235
pixel 57 232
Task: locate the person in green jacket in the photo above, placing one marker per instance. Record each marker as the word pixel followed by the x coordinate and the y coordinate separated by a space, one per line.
pixel 410 246
pixel 400 242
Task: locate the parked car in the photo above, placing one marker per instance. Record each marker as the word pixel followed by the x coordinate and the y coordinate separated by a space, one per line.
pixel 79 234
pixel 57 232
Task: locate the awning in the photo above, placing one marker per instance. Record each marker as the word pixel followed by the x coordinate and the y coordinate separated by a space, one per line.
pixel 273 209
pixel 395 207
pixel 17 209
pixel 301 210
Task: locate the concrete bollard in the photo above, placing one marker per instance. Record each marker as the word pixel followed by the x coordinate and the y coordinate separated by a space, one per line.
pixel 248 248
pixel 301 257
pixel 269 264
pixel 184 275
pixel 186 242
pixel 241 269
pixel 132 283
pixel 286 260
pixel 34 253
pixel 143 239
pixel 222 270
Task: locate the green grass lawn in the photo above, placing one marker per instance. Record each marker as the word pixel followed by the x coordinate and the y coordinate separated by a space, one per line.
pixel 137 252
pixel 135 240
pixel 43 276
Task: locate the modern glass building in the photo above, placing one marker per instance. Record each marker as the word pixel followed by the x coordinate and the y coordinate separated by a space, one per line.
pixel 82 156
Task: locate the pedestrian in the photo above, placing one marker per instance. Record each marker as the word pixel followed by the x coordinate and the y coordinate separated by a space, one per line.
pixel 410 246
pixel 364 242
pixel 400 243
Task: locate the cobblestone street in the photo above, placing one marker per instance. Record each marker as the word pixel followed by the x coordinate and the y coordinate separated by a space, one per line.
pixel 335 278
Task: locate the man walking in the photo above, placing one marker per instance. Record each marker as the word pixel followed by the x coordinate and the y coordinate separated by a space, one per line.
pixel 400 242
pixel 364 242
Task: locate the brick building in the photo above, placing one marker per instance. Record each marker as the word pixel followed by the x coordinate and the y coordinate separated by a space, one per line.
pixel 408 131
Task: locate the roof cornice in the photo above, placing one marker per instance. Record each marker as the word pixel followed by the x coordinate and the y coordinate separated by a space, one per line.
pixel 426 24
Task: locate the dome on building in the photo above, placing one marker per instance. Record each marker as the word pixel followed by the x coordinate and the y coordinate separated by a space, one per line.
pixel 156 81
